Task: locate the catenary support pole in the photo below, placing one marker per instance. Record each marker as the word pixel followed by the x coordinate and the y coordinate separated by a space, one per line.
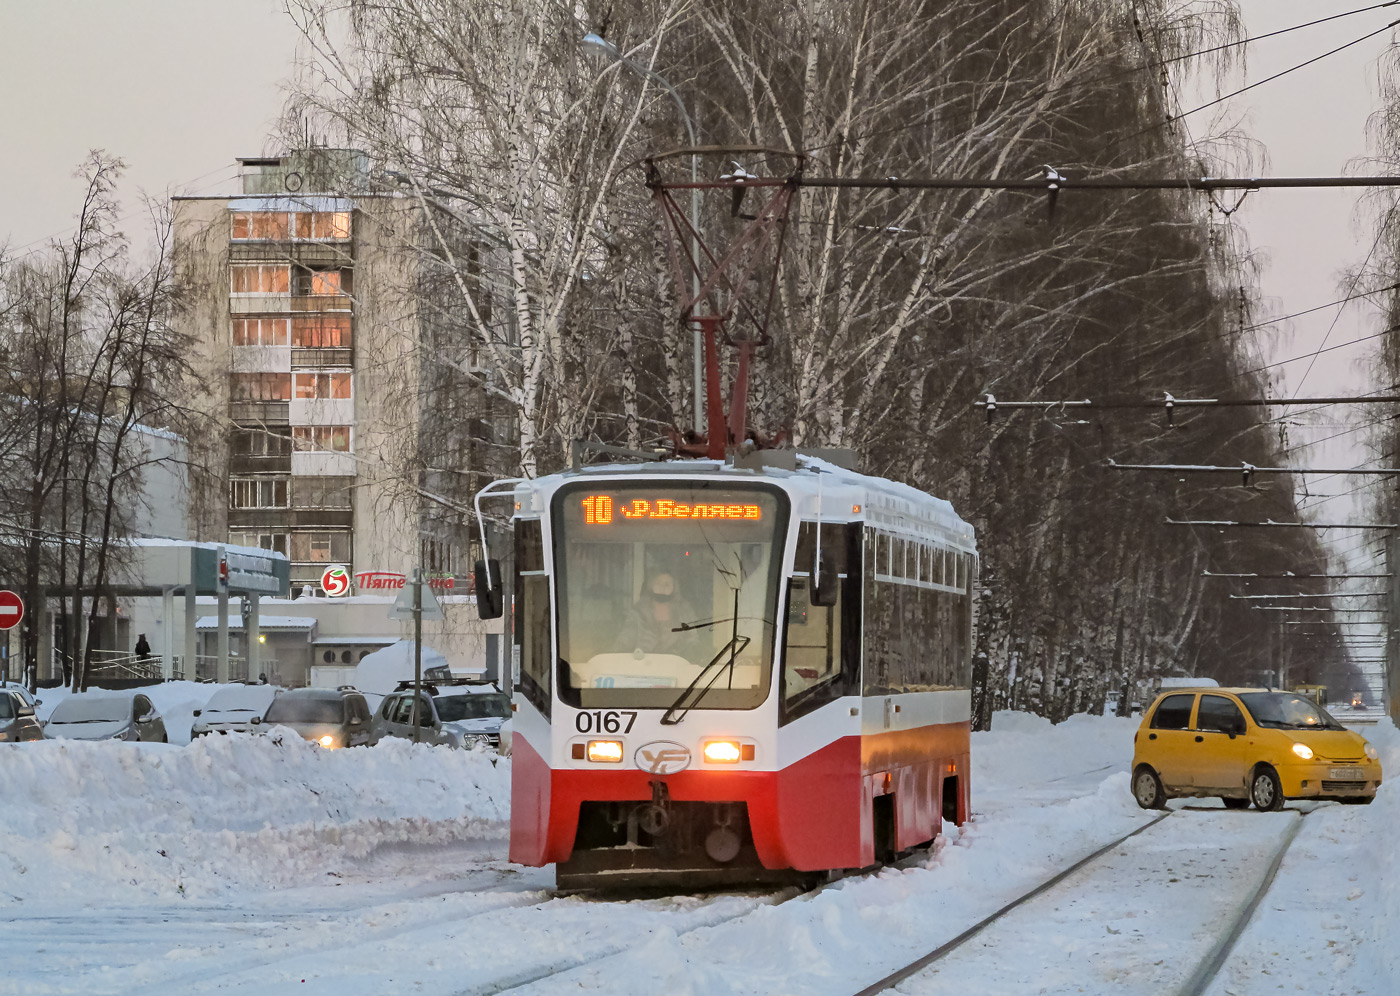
pixel 1391 685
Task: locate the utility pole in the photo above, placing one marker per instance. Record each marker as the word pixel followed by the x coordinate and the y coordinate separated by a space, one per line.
pixel 417 649
pixel 1390 687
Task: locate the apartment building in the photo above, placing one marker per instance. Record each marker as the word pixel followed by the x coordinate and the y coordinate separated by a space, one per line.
pixel 302 291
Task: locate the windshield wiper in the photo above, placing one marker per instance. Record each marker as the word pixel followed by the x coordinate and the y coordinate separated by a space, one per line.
pixel 733 647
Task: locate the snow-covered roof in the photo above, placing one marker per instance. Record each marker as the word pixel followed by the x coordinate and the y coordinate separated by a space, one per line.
pixel 264 622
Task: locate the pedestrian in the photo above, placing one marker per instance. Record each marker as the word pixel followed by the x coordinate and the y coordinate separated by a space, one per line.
pixel 262 678
pixel 143 649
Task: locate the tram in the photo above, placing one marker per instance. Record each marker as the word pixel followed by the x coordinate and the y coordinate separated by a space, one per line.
pixel 732 674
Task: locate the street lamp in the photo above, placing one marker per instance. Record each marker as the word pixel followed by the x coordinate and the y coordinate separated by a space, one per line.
pixel 596 43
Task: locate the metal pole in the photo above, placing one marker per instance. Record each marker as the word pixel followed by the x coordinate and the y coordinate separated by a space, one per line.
pixel 417 647
pixel 1390 687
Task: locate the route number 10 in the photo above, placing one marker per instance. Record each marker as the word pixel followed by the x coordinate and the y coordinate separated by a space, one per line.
pixel 598 510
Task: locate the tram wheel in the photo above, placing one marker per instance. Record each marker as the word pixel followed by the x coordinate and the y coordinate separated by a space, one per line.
pixel 1234 803
pixel 1147 789
pixel 1265 790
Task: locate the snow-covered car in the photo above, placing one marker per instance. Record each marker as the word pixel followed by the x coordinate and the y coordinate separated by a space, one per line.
pixel 17 720
pixel 236 709
pixel 106 716
pixel 451 716
pixel 330 717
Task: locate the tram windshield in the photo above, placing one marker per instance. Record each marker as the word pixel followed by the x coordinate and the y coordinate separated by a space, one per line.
pixel 663 582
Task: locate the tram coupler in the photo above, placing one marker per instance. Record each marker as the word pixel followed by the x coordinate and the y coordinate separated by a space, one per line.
pixel 654 818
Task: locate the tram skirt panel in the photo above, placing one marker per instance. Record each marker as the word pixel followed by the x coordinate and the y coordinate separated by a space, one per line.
pixel 530 783
pixel 822 819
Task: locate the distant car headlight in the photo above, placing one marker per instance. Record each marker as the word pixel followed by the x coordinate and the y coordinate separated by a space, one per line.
pixel 329 741
pixel 4 735
pixel 1371 752
pixel 1303 751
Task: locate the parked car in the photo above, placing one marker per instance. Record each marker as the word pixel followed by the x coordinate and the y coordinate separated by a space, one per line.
pixel 453 716
pixel 106 716
pixel 236 709
pixel 1248 745
pixel 333 718
pixel 17 720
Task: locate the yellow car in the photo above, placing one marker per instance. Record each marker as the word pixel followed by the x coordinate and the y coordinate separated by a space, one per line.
pixel 1248 745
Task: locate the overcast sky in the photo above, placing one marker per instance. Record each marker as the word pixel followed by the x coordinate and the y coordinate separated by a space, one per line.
pixel 179 88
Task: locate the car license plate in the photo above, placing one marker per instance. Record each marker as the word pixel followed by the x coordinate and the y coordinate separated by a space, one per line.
pixel 1347 774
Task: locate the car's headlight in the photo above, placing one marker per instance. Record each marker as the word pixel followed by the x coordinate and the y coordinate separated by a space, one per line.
pixel 1303 751
pixel 1372 753
pixel 329 741
pixel 4 735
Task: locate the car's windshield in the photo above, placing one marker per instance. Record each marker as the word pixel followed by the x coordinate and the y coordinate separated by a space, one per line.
pixel 85 709
pixel 655 579
pixel 298 709
pixel 1286 711
pixel 482 705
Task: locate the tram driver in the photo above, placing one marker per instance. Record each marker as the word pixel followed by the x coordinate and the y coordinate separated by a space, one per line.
pixel 650 627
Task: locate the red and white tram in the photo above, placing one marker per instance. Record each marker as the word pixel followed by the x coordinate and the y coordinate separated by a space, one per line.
pixel 735 674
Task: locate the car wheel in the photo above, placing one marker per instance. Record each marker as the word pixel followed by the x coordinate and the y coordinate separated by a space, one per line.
pixel 1147 789
pixel 1234 803
pixel 1265 790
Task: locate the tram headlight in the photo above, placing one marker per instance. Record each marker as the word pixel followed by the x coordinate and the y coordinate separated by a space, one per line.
pixel 722 752
pixel 605 751
pixel 1303 751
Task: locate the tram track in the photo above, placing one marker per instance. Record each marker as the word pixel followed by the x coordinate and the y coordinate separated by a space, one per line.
pixel 1196 983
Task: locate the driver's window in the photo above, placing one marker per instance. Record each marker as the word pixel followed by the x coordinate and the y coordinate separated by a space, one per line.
pixel 821 645
pixel 1217 714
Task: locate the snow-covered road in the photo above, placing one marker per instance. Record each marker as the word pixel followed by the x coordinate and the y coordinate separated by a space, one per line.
pixel 240 865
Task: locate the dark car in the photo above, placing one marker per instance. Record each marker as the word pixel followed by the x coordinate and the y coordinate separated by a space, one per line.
pixel 461 715
pixel 329 717
pixel 17 720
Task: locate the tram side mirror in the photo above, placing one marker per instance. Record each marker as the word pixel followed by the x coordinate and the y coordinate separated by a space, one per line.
pixel 490 598
pixel 827 589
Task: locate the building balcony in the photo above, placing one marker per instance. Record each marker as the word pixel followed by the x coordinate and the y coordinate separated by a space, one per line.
pixel 282 519
pixel 323 464
pixel 242 464
pixel 281 304
pixel 261 412
pixel 323 411
pixel 310 254
pixel 320 358
pixel 260 359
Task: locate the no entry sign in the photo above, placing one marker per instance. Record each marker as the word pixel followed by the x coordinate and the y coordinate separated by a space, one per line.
pixel 11 610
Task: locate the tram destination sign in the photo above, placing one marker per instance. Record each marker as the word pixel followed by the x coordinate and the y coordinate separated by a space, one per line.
pixel 601 510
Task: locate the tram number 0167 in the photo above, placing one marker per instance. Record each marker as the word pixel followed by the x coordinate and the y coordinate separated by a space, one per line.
pixel 605 721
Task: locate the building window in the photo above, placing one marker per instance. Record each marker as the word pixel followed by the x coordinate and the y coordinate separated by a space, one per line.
pixel 438 556
pixel 260 278
pixel 321 331
pixel 260 331
pixel 308 386
pixel 260 386
pixel 322 492
pixel 321 548
pixel 262 442
pixel 276 542
pixel 258 492
pixel 272 226
pixel 325 438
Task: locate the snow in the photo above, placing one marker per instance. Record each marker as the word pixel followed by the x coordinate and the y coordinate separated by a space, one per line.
pixel 240 864
pixel 381 671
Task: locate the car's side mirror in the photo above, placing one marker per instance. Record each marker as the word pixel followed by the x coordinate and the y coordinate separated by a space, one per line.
pixel 490 597
pixel 198 712
pixel 257 720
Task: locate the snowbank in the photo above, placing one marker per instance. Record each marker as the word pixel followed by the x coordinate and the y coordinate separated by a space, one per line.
pixel 138 822
pixel 379 673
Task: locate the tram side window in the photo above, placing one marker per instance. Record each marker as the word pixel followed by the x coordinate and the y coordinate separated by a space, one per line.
pixel 916 636
pixel 533 615
pixel 821 655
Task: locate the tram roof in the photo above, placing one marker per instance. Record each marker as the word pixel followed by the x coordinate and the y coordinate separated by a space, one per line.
pixel 882 502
